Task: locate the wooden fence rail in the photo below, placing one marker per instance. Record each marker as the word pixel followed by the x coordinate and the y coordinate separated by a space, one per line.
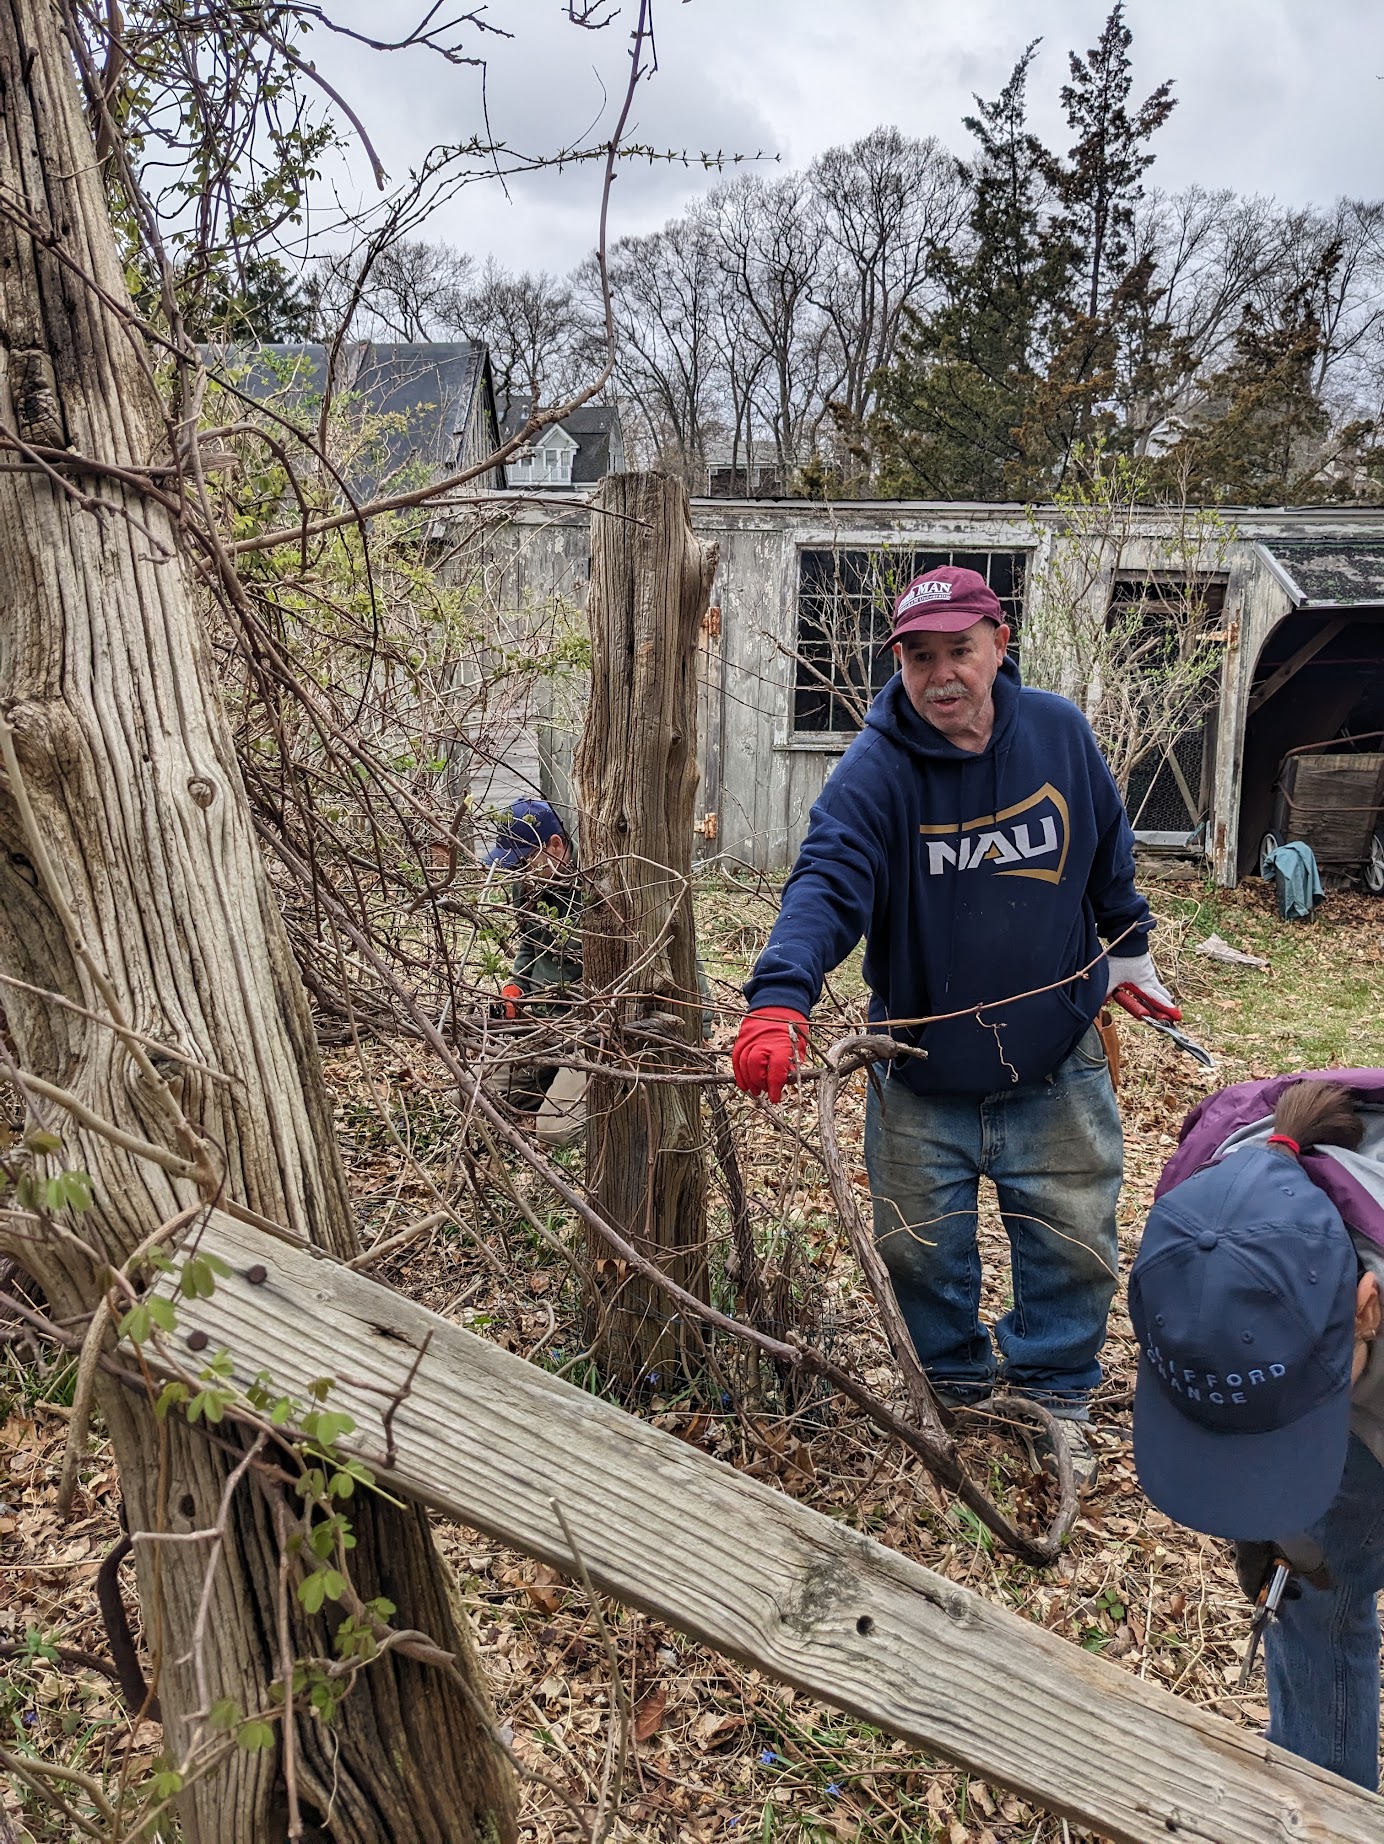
pixel 493 1441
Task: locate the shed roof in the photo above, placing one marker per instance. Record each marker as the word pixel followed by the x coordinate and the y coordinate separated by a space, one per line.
pixel 1329 572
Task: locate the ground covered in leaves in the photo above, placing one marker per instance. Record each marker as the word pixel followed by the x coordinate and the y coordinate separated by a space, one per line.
pixel 722 1752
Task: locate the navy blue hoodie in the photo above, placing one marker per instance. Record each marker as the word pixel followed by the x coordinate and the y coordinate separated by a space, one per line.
pixel 972 878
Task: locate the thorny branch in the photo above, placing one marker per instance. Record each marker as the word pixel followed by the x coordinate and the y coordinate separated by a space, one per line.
pixel 939 1457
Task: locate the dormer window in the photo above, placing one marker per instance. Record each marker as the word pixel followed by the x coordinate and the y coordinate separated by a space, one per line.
pixel 547 463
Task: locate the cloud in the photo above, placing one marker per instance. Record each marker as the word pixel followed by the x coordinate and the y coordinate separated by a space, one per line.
pixel 1273 96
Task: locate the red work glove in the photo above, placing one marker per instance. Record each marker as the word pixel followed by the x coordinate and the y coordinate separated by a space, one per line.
pixel 511 994
pixel 771 1042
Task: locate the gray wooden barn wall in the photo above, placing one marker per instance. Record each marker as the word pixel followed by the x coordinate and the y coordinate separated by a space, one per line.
pixel 758 780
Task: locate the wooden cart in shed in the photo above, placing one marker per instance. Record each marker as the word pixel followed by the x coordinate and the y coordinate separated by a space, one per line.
pixel 1331 796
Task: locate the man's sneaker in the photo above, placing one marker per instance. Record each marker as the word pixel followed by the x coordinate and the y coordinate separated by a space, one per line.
pixel 1074 1437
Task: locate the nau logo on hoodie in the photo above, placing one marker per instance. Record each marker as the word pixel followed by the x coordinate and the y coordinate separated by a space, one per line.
pixel 1027 840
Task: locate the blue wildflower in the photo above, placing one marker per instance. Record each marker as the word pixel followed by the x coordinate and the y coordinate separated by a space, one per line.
pixel 767 1757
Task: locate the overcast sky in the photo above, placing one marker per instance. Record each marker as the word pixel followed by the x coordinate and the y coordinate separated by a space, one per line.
pixel 1277 96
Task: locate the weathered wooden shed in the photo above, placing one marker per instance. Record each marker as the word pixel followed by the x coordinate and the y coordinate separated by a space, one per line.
pixel 1300 594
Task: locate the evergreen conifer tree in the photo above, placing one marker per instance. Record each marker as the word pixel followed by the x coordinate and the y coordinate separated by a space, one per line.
pixel 1263 435
pixel 950 408
pixel 1048 325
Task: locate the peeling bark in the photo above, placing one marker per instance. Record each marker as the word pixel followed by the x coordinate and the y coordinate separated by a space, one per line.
pixel 106 678
pixel 637 780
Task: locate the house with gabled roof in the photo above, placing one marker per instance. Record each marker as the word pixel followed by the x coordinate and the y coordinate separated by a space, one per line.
pixel 576 452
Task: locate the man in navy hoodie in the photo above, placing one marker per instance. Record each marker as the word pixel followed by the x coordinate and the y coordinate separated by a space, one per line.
pixel 974 835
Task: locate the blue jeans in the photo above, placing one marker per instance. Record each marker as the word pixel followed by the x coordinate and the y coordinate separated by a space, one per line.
pixel 1323 1657
pixel 1055 1152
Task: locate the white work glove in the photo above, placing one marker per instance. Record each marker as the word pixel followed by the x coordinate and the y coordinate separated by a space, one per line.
pixel 1139 970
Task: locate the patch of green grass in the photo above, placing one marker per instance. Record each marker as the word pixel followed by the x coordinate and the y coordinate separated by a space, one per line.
pixel 22 1385
pixel 1317 1005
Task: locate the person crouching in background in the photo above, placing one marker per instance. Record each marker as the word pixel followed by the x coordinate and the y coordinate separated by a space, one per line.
pixel 545 895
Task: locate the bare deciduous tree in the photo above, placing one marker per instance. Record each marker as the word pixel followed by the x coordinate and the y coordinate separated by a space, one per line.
pixel 885 203
pixel 412 290
pixel 769 253
pixel 540 347
pixel 664 290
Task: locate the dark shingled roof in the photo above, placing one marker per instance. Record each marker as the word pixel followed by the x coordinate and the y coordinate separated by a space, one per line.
pixel 427 389
pixel 592 428
pixel 1332 570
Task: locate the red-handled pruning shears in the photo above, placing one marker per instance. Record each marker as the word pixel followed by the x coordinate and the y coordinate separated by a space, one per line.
pixel 1148 1010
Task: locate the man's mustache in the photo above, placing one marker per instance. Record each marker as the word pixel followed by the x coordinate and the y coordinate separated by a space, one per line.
pixel 943 691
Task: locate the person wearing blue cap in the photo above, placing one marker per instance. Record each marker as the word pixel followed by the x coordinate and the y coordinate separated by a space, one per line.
pixel 532 842
pixel 1259 1407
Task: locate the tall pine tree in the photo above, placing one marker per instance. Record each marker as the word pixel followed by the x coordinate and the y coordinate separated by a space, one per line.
pixel 1107 332
pixel 1100 183
pixel 1047 326
pixel 950 408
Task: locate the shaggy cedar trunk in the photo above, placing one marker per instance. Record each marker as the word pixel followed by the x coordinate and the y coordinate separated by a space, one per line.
pixel 106 679
pixel 636 780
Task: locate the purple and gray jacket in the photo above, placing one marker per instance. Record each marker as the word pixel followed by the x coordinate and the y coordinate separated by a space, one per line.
pixel 1354 1181
pixel 1234 1117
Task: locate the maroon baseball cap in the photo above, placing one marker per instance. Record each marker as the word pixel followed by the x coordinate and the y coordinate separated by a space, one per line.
pixel 945 601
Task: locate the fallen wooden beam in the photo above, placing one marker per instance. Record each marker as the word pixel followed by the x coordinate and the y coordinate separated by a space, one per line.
pixel 494 1441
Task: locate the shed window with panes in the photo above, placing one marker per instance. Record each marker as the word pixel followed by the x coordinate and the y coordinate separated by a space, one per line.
pixel 845 606
pixel 1170 787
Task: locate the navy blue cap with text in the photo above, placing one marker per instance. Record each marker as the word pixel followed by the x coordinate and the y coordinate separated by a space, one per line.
pixel 1242 1298
pixel 528 824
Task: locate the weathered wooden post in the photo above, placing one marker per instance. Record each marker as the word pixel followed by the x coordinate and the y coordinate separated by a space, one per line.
pixel 636 773
pixel 129 867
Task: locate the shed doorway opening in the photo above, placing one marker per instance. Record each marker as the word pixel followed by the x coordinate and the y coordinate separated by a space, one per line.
pixel 1173 635
pixel 1313 754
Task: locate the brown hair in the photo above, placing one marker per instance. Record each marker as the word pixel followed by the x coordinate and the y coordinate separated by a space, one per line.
pixel 1318 1114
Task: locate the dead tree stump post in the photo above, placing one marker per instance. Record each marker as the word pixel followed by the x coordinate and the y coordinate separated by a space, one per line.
pixel 636 773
